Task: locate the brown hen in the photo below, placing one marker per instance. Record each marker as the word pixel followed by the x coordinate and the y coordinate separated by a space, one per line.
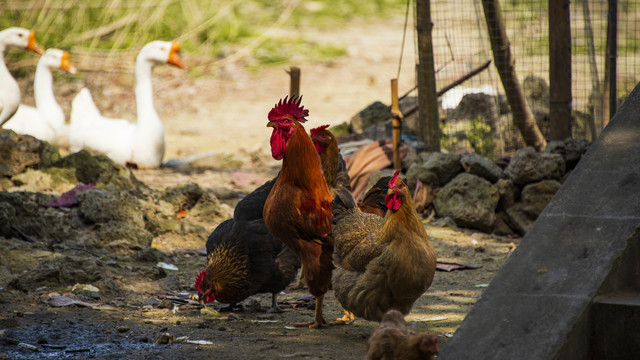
pixel 381 263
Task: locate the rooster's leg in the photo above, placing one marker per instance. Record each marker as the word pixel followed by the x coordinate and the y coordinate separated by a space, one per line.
pixel 300 284
pixel 347 318
pixel 274 304
pixel 318 319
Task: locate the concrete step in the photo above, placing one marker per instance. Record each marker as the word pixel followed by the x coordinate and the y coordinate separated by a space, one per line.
pixel 615 326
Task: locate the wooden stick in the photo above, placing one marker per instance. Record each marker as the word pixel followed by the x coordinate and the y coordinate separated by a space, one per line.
pixel 294 87
pixel 395 122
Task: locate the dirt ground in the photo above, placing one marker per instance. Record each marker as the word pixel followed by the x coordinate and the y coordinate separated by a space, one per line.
pixel 221 118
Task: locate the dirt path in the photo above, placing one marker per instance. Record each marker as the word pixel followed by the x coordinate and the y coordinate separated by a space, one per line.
pixel 225 115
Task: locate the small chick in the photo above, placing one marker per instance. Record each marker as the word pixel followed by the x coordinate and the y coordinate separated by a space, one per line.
pixel 393 340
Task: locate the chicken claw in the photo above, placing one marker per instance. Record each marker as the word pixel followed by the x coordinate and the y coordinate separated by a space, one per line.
pixel 318 319
pixel 348 318
pixel 275 308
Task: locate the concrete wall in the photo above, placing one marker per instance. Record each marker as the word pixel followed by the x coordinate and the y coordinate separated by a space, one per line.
pixel 538 306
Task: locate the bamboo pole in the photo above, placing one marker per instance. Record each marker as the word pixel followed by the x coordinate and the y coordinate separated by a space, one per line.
pixel 396 123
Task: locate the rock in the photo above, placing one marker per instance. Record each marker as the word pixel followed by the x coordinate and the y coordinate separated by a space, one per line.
pixel 445 222
pixel 470 200
pixel 151 255
pixel 570 149
pixel 528 166
pixel 119 217
pixel 445 166
pixel 165 339
pixel 521 216
pixel 477 165
pixel 19 152
pixel 195 199
pixel 476 104
pixel 19 209
pixel 518 219
pixel 536 196
pixel 208 207
pixel 500 227
pixel 375 113
pixel 417 172
pixel 509 194
pixel 410 158
pixel 66 271
pixel 99 170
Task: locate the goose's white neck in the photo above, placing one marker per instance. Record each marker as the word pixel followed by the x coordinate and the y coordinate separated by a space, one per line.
pixel 45 99
pixel 9 90
pixel 147 115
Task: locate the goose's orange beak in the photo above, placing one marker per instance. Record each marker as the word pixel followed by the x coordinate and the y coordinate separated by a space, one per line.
pixel 32 45
pixel 65 63
pixel 174 58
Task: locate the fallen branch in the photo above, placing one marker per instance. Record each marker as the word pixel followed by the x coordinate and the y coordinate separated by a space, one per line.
pixel 442 91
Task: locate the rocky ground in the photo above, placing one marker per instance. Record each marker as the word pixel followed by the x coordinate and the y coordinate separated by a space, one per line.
pixel 110 277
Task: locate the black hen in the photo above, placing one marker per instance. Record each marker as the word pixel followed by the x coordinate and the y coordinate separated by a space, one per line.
pixel 244 258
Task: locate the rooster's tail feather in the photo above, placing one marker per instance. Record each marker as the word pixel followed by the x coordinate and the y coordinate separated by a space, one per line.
pixel 343 203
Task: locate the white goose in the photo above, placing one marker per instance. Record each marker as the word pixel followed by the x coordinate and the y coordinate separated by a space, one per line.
pixel 46 121
pixel 141 142
pixel 9 89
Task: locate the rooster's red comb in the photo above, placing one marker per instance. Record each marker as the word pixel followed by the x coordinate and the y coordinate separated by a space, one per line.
pixel 394 178
pixel 315 131
pixel 199 280
pixel 290 107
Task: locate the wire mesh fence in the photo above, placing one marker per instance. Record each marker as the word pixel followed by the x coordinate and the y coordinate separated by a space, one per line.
pixel 481 122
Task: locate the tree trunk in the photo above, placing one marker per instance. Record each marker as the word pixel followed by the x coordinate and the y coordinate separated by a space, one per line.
pixel 559 70
pixel 427 98
pixel 522 116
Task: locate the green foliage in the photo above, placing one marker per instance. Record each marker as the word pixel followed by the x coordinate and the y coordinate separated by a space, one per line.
pixel 205 28
pixel 481 138
pixel 474 135
pixel 276 51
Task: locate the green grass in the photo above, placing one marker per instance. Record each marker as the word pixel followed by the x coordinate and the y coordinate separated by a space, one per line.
pixel 206 29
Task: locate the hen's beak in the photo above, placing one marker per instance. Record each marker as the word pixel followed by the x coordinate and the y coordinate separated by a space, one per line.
pixel 174 58
pixel 65 63
pixel 32 45
pixel 271 124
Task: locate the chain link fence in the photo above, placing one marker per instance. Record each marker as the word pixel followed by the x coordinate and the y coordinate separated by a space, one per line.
pixel 475 115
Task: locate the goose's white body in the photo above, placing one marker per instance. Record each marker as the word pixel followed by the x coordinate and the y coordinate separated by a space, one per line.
pixel 46 121
pixel 140 142
pixel 9 89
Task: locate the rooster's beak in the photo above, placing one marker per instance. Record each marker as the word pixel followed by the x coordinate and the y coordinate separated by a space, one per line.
pixel 271 124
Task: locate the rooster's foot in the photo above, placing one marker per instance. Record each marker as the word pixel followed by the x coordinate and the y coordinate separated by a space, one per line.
pixel 348 318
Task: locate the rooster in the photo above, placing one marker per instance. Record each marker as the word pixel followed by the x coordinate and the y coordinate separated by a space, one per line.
pixel 244 258
pixel 381 263
pixel 333 165
pixel 393 340
pixel 298 209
